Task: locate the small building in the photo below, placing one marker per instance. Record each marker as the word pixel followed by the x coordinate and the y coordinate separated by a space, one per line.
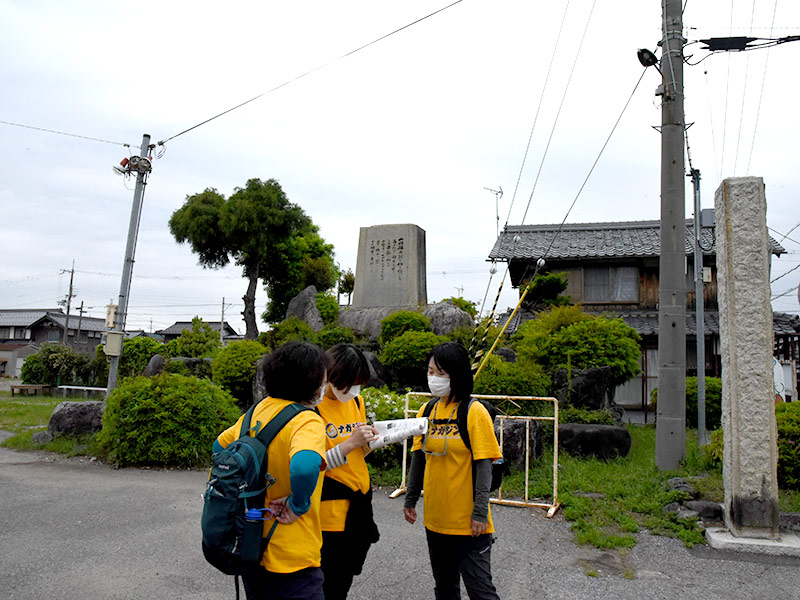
pixel 38 326
pixel 174 331
pixel 613 268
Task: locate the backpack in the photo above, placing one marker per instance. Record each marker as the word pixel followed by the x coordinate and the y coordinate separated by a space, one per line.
pixel 499 467
pixel 238 485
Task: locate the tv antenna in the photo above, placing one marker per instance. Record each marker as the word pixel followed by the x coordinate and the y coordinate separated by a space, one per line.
pixel 498 193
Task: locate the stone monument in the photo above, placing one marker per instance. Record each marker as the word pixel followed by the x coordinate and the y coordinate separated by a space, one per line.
pixel 745 315
pixel 390 269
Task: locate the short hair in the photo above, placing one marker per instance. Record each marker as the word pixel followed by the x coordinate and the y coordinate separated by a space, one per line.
pixel 348 367
pixel 453 359
pixel 295 371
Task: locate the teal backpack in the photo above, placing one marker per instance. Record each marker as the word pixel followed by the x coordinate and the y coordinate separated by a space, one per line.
pixel 233 509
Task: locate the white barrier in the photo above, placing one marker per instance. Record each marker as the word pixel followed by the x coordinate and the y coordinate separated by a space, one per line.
pixel 551 507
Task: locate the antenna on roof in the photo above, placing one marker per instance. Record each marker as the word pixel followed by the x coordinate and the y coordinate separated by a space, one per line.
pixel 498 193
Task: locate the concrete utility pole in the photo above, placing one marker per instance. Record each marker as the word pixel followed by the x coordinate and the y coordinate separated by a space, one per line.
pixel 68 303
pixel 671 422
pixel 142 167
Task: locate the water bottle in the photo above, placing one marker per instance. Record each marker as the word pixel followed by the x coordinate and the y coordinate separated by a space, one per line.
pixel 252 534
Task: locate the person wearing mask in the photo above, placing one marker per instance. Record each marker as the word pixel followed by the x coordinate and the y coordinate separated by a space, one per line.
pixel 290 565
pixel 348 528
pixel 458 521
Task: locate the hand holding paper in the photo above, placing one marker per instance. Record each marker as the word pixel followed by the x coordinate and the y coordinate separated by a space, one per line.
pixel 397 430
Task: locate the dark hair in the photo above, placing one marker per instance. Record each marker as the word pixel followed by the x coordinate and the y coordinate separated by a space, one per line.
pixel 349 366
pixel 453 359
pixel 295 371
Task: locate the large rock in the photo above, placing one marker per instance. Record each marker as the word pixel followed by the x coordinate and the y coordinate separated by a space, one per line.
pixel 367 321
pixel 446 317
pixel 304 307
pixel 77 418
pixel 155 366
pixel 585 388
pixel 506 354
pixel 198 367
pixel 514 440
pixel 600 441
pixel 259 383
pixel 378 377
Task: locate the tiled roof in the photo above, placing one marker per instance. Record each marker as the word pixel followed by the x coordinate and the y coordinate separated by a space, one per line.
pixel 177 327
pixel 23 317
pixel 87 323
pixel 633 239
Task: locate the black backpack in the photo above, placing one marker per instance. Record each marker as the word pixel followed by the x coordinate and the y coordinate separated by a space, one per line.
pixel 238 482
pixel 499 467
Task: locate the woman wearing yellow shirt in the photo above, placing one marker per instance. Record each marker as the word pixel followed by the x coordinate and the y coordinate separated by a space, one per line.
pixel 458 521
pixel 290 566
pixel 348 528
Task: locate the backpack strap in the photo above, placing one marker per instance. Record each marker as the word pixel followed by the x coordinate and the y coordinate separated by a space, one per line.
pixel 246 421
pixel 462 418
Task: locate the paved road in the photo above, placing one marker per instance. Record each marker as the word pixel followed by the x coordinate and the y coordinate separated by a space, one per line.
pixel 78 530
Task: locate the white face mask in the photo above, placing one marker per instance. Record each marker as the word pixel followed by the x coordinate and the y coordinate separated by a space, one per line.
pixel 319 397
pixel 342 396
pixel 439 386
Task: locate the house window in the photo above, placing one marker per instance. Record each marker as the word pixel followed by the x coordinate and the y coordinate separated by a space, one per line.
pixel 19 333
pixel 4 331
pixel 53 335
pixel 611 284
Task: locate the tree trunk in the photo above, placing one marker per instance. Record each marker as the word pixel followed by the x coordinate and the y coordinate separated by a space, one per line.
pixel 249 312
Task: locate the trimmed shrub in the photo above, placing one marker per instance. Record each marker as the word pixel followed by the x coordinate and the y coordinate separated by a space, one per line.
pixel 406 356
pixel 328 307
pixel 787 415
pixel 136 353
pixel 164 420
pixel 512 379
pixel 582 415
pixel 288 330
pixel 200 341
pixel 396 324
pixel 330 335
pixel 466 305
pixel 713 402
pixel 234 369
pixel 57 364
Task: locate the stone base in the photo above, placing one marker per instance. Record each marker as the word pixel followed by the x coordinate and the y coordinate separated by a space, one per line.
pixel 722 539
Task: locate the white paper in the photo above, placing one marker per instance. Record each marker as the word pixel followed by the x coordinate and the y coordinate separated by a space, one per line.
pixel 390 432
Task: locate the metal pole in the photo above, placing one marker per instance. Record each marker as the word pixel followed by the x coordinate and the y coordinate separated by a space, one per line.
pixel 702 435
pixel 69 304
pixel 671 422
pixel 127 265
pixel 221 322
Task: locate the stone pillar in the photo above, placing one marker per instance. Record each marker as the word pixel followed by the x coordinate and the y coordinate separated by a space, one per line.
pixel 390 269
pixel 745 323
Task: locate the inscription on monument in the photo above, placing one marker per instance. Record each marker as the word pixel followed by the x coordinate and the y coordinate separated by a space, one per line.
pixel 386 257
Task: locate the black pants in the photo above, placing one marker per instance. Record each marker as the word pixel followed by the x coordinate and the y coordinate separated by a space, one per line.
pixel 339 563
pixel 305 584
pixel 461 556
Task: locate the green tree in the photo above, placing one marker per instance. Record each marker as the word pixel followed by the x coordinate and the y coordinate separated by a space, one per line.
pixel 347 284
pixel 198 342
pixel 259 230
pixel 545 291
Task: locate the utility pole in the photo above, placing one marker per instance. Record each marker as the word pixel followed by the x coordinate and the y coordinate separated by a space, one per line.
pixel 142 166
pixel 69 303
pixel 222 323
pixel 702 435
pixel 671 421
pixel 80 321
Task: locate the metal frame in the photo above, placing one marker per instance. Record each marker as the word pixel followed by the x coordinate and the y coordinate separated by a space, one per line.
pixel 552 507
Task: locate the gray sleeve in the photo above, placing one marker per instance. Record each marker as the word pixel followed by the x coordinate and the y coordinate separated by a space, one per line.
pixel 416 475
pixel 482 470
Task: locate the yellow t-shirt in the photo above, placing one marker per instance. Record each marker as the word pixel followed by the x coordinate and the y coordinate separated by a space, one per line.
pixel 295 546
pixel 449 495
pixel 340 419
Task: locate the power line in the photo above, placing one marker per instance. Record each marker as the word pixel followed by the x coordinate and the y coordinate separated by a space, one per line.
pixel 761 94
pixel 794 268
pixel 75 135
pixel 322 66
pixel 786 293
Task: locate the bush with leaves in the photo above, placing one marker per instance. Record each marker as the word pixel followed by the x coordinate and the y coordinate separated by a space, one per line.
pixel 328 307
pixel 136 353
pixel 288 330
pixel 713 402
pixel 201 341
pixel 330 335
pixel 569 340
pixel 166 420
pixel 499 377
pixel 396 324
pixel 406 356
pixel 466 305
pixel 787 415
pixel 57 364
pixel 234 369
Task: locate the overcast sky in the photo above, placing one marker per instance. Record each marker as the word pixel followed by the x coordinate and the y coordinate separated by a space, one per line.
pixel 411 129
